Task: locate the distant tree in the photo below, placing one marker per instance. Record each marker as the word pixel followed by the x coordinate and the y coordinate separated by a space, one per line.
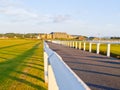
pixel 82 37
pixel 115 37
pixel 10 35
pixel 91 38
pixel 1 35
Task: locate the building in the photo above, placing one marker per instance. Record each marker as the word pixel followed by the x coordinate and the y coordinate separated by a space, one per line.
pixel 55 35
pixel 41 36
pixel 81 38
pixel 60 35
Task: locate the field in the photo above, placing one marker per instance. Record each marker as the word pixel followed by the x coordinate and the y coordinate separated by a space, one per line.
pixel 115 49
pixel 21 65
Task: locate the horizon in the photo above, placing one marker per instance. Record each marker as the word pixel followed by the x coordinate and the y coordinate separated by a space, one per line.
pixel 78 17
pixel 61 32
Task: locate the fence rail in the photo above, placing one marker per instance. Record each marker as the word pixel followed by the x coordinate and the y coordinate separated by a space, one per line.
pixel 78 44
pixel 58 75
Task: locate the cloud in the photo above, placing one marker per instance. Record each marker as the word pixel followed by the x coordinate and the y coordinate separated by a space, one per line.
pixel 61 18
pixel 6 3
pixel 16 13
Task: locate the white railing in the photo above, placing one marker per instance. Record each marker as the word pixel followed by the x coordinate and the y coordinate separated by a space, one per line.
pixel 57 73
pixel 105 42
pixel 77 44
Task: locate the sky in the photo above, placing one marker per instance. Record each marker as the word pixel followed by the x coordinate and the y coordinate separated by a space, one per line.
pixel 78 17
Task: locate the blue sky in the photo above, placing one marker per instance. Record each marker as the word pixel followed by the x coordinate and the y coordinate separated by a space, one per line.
pixel 82 17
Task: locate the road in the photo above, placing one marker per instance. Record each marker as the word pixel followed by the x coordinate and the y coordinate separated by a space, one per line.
pixel 97 71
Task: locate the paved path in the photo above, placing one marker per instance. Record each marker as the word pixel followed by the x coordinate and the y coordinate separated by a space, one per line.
pixel 97 71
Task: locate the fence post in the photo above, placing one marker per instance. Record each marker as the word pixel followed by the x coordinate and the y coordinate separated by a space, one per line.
pixel 84 46
pixel 70 43
pixel 46 67
pixel 73 44
pixel 61 42
pixel 108 49
pixel 90 47
pixel 65 43
pixel 52 84
pixel 98 48
pixel 79 45
pixel 76 45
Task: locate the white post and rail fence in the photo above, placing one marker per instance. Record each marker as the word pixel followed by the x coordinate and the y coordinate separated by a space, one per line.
pixel 80 44
pixel 57 73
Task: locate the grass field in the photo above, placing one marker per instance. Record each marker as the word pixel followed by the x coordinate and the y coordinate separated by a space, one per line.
pixel 115 49
pixel 21 65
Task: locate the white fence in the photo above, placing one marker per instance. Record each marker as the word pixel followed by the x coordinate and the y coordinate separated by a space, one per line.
pixel 58 75
pixel 77 44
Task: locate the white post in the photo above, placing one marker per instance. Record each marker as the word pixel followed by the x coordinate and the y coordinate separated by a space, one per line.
pixel 84 46
pixel 90 47
pixel 46 67
pixel 79 45
pixel 65 43
pixel 108 50
pixel 98 48
pixel 76 45
pixel 62 42
pixel 52 84
pixel 58 42
pixel 73 44
pixel 70 43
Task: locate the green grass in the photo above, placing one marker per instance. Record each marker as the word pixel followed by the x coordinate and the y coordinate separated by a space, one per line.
pixel 21 65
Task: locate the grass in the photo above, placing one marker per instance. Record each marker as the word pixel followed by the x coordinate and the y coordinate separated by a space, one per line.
pixel 21 65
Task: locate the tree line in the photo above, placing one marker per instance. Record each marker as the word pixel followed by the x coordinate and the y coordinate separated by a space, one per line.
pixel 115 37
pixel 19 35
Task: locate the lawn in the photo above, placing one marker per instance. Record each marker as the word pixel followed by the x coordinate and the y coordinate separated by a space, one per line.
pixel 21 65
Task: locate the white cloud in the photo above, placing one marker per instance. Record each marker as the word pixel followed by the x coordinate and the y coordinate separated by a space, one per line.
pixel 6 3
pixel 18 12
pixel 61 18
pixel 15 12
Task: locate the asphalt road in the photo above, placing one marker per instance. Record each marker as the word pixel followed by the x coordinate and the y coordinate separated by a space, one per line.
pixel 97 71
